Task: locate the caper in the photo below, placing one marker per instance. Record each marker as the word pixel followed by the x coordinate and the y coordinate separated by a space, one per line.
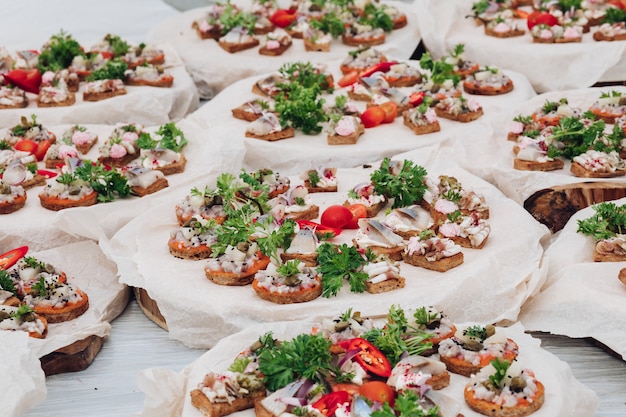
pixel 435 88
pixel 48 268
pixel 518 384
pixel 433 324
pixel 357 317
pixel 490 385
pixel 209 200
pixel 292 281
pixel 4 315
pixel 74 190
pixel 473 345
pixel 243 246
pixel 490 330
pixel 30 316
pixel 622 101
pixel 256 346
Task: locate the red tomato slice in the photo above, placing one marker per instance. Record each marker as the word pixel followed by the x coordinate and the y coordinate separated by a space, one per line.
pixel 348 79
pixel 46 173
pixel 373 116
pixel 42 148
pixel 27 80
pixel 378 391
pixel 328 404
pixel 416 99
pixel 319 229
pixel 369 357
pixel 349 387
pixel 359 211
pixel 336 216
pixel 391 111
pixel 26 145
pixel 7 260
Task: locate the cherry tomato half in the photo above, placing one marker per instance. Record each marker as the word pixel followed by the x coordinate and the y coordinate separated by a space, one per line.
pixel 539 18
pixel 359 211
pixel 283 18
pixel 378 391
pixel 26 145
pixel 28 80
pixel 319 229
pixel 373 116
pixel 391 111
pixel 349 387
pixel 369 357
pixel 336 216
pixel 42 148
pixel 328 404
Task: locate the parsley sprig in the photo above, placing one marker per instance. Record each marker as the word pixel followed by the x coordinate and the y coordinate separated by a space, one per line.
pixel 301 108
pixel 336 263
pixel 407 404
pixel 609 220
pixel 576 137
pixel 305 356
pixel 58 52
pixel 172 138
pixel 113 69
pixel 6 283
pixel 406 187
pixel 501 366
pixel 109 184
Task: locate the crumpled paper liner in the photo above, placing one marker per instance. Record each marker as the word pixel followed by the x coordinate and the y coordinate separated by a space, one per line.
pixel 581 298
pixel 40 228
pixel 90 270
pixel 549 67
pixel 213 69
pixel 146 105
pixel 22 381
pixel 519 185
pixel 565 396
pixel 383 141
pixel 489 286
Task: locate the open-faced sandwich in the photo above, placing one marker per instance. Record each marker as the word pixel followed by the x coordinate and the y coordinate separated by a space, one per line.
pixel 120 149
pixel 66 191
pixel 409 221
pixel 223 393
pixel 320 180
pixel 421 119
pixel 361 59
pixel 504 389
pixel 252 110
pixel 55 95
pixel 436 324
pixel 57 153
pixel 363 34
pixel 531 154
pixel 148 75
pixel 302 247
pixel 12 98
pixel 144 181
pixel 276 43
pixel 193 240
pixel 22 318
pixel 103 89
pixel 543 33
pixel 469 231
pixel 503 28
pixel 32 130
pixel 379 238
pixel 207 203
pixel 459 109
pixel 291 282
pixel 18 173
pixel 474 347
pixel 609 106
pixel 365 193
pixel 80 137
pixel 316 40
pixel 488 81
pixel 296 204
pixel 383 274
pixel 268 127
pixel 431 252
pixel 237 39
pixel 12 197
pixel 605 226
pixel 346 130
pixel 237 265
pixel 596 164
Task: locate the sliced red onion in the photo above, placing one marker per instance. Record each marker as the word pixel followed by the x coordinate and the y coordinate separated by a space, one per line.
pixel 349 355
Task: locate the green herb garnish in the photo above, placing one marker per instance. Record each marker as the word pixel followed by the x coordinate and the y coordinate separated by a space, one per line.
pixel 336 263
pixel 406 187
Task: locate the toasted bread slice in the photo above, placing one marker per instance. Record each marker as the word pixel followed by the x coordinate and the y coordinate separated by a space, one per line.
pixel 214 33
pixel 387 285
pixel 599 36
pixel 487 90
pixel 461 117
pixel 441 265
pixel 214 409
pixel 315 47
pixel 56 204
pixel 88 96
pixel 420 130
pixel 310 189
pixel 491 409
pixel 276 51
pixel 158 185
pixel 119 162
pixel 508 34
pixel 346 140
pixel 285 133
pixel 179 250
pixel 524 165
pixel 247 111
pixel 71 99
pixel 237 47
pixel 308 259
pixel 13 206
pixel 361 41
pixel 608 257
pixel 175 167
pixel 302 296
pixel 579 171
pixel 238 279
pixel 622 276
pixel 394 253
pixel 164 81
pixel 460 366
pixel 69 312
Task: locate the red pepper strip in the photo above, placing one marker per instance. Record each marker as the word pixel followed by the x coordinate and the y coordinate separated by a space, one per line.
pixel 10 258
pixel 370 358
pixel 328 404
pixel 46 173
pixel 380 67
pixel 416 99
pixel 319 229
pixel 27 80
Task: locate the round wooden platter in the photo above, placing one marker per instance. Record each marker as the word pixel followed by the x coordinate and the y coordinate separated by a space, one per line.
pixel 554 206
pixel 149 307
pixel 73 358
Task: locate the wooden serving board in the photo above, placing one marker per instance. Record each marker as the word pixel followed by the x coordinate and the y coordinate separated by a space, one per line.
pixel 149 307
pixel 554 206
pixel 73 358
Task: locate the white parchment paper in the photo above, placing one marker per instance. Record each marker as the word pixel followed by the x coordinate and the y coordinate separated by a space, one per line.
pixel 565 396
